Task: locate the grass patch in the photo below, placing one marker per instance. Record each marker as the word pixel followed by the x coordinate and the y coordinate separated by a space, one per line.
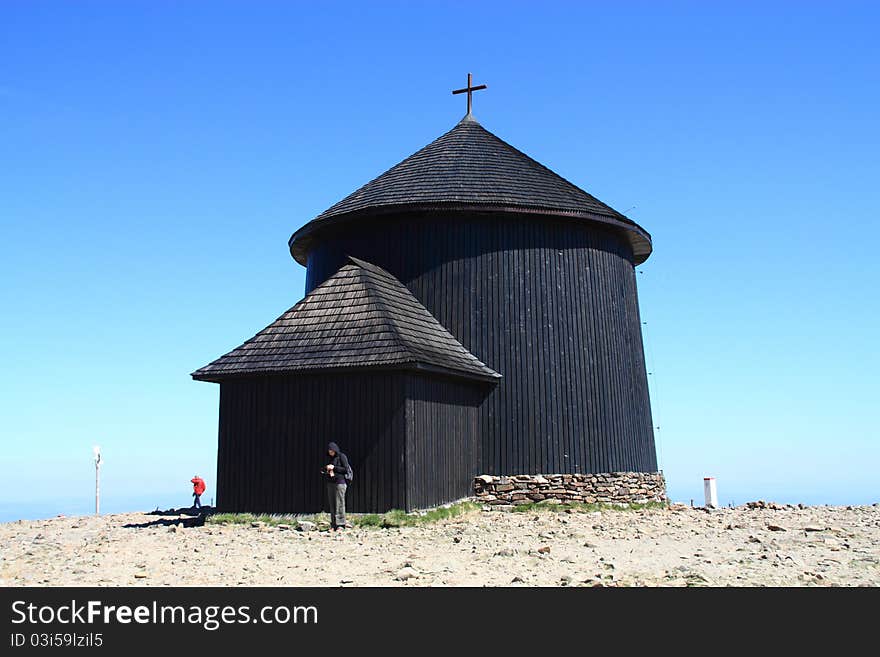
pixel 398 518
pixel 582 507
pixel 392 518
pixel 272 519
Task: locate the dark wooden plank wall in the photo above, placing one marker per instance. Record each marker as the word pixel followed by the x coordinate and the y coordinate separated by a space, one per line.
pixel 274 431
pixel 443 445
pixel 550 304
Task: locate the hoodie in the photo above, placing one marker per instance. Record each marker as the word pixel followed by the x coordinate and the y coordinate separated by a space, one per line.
pixel 340 465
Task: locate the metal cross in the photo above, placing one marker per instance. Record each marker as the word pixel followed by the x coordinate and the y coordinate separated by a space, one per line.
pixel 469 90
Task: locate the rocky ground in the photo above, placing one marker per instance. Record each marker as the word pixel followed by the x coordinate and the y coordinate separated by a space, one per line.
pixel 681 546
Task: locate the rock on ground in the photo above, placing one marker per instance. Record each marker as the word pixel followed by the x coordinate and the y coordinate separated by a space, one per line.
pixel 821 546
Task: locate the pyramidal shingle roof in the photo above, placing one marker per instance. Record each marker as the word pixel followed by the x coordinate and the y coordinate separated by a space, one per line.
pixel 361 317
pixel 469 167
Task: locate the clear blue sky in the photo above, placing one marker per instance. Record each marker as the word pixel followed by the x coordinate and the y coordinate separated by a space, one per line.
pixel 156 156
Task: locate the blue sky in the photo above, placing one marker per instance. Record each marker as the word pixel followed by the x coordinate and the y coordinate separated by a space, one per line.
pixel 156 156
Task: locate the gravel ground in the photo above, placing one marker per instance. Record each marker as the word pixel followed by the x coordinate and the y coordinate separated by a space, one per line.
pixel 811 546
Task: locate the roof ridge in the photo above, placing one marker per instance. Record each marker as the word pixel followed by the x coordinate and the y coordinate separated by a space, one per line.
pixel 386 320
pixel 466 125
pixel 264 331
pixel 421 353
pixel 615 213
pixel 360 317
pixel 379 295
pixel 470 168
pixel 392 167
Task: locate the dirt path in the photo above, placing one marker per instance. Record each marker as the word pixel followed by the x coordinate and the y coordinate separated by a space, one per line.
pixel 741 547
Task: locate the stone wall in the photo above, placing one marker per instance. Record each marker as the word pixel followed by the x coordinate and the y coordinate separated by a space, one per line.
pixel 605 488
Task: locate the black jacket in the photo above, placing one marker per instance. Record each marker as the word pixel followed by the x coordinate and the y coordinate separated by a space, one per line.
pixel 340 468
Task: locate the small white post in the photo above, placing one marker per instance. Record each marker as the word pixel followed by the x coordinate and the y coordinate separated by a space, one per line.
pixel 711 492
pixel 97 450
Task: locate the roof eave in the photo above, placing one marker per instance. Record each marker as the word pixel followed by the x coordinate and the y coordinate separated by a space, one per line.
pixel 301 241
pixel 414 366
pixel 429 368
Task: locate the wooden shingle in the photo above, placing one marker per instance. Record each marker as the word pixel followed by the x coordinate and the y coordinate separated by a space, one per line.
pixel 471 168
pixel 361 317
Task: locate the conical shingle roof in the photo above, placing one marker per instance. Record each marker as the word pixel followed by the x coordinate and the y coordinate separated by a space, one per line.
pixel 361 317
pixel 471 168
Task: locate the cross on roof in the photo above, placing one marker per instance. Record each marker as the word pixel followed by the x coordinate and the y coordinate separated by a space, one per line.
pixel 469 90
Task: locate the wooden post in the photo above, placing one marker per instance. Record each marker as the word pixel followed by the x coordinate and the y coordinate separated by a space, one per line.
pixel 97 451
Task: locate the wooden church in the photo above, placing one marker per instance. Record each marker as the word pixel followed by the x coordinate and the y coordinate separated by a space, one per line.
pixel 467 312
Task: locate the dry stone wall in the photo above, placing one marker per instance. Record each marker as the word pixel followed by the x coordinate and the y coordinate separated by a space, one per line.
pixel 603 488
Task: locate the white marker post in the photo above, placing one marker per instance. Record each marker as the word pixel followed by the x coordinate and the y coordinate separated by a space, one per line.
pixel 97 450
pixel 711 492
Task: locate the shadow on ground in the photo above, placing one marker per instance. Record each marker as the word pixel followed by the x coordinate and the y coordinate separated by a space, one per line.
pixel 183 517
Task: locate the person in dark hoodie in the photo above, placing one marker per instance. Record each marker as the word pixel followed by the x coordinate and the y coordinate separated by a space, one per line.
pixel 338 475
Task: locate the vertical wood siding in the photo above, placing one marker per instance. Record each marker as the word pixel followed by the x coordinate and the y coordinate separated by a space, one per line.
pixel 411 439
pixel 274 432
pixel 442 446
pixel 551 305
